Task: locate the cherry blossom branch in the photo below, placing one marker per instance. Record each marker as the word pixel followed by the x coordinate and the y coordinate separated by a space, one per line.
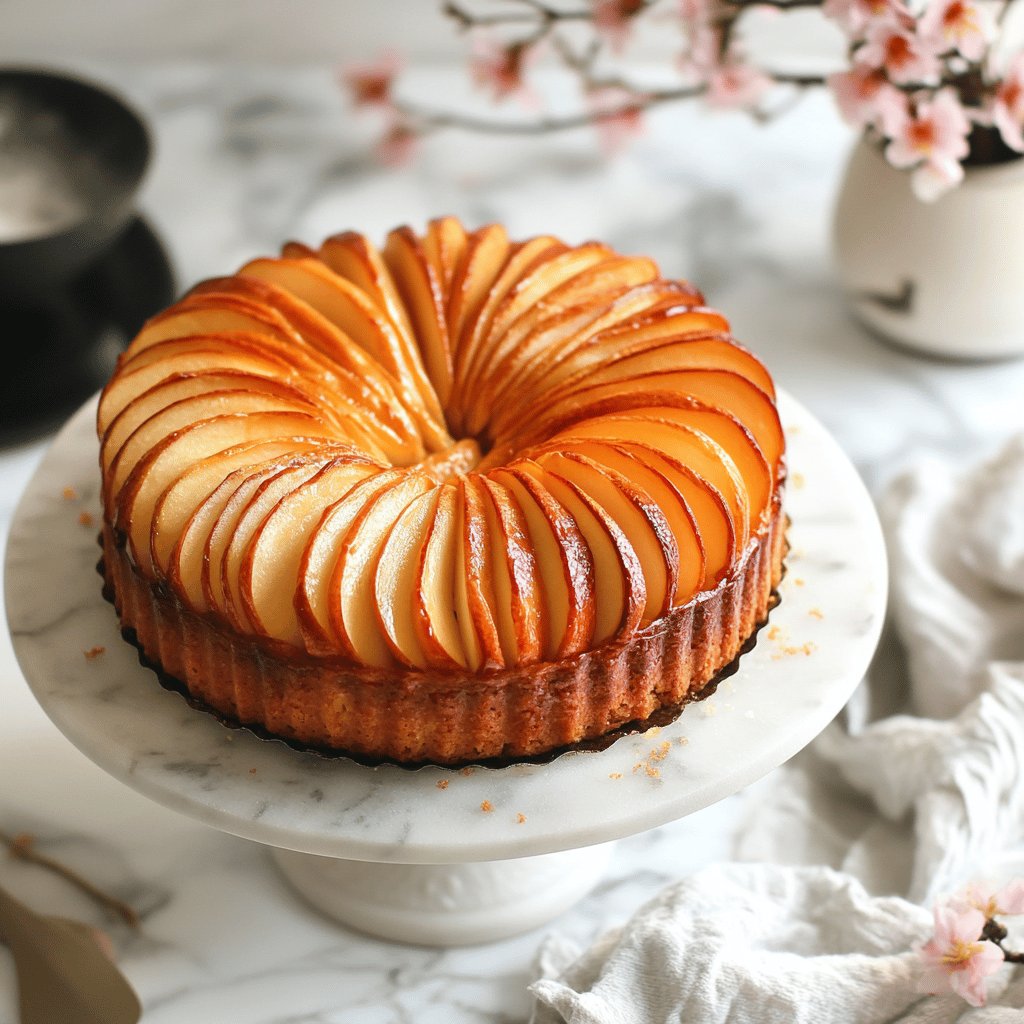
pixel 22 847
pixel 923 84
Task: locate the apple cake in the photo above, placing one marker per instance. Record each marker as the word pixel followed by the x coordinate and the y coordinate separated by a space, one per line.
pixel 455 499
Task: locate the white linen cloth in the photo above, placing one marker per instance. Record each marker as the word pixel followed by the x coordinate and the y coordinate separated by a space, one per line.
pixel 916 790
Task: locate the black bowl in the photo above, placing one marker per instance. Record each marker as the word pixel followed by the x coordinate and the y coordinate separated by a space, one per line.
pixel 99 143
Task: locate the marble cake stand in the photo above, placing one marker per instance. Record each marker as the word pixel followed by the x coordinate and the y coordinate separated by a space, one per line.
pixel 439 856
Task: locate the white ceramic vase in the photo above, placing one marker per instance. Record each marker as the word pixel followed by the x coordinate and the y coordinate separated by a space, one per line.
pixel 946 278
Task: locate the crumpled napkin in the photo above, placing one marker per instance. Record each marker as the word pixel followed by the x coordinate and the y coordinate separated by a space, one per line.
pixel 917 790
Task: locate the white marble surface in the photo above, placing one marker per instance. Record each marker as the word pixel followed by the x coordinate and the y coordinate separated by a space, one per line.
pixel 248 156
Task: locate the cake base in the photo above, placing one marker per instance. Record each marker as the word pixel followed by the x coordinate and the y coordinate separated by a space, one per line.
pixel 452 719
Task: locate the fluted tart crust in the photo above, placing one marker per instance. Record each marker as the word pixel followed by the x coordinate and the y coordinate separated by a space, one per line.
pixel 454 500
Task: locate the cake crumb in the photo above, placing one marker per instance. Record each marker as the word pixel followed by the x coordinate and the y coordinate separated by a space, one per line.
pixel 653 731
pixel 521 819
pixel 655 756
pixel 798 480
pixel 441 783
pixel 816 613
pixel 709 708
pixel 615 775
pixel 85 519
pixel 799 581
pixel 252 771
pixel 804 649
pixel 774 633
pixel 467 772
pixel 683 740
pixel 487 807
pixel 94 652
pixel 69 493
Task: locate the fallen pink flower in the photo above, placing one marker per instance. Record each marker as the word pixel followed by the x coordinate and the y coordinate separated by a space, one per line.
pixel 906 57
pixel 960 24
pixel 934 141
pixel 370 83
pixel 1007 112
pixel 866 98
pixel 956 958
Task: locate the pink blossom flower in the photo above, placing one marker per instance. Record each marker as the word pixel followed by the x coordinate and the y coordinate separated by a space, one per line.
pixel 612 19
pixel 370 83
pixel 956 958
pixel 934 140
pixel 961 24
pixel 1007 110
pixel 498 67
pixel 866 98
pixel 735 85
pixel 397 145
pixel 906 57
pixel 856 15
pixel 618 115
pixel 992 902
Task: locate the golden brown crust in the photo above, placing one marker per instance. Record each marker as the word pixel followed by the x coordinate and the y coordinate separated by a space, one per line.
pixel 449 718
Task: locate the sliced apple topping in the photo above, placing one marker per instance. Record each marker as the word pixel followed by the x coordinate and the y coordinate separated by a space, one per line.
pixel 397 578
pixel 516 581
pixel 269 572
pixel 620 594
pixel 454 454
pixel 352 604
pixel 637 515
pixel 564 562
pixel 323 548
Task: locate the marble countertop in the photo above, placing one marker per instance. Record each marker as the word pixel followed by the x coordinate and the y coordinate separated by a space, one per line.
pixel 249 157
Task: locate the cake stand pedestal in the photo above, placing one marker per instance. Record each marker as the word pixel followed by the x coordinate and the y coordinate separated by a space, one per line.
pixel 438 856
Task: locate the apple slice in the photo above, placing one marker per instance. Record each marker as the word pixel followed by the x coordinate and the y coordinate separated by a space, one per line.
pixel 475 603
pixel 133 505
pixel 235 529
pixel 184 496
pixel 189 386
pixel 201 316
pixel 630 360
pixel 353 610
pixel 396 578
pixel 718 389
pixel 520 261
pixel 323 548
pixel 184 415
pixel 516 581
pixel 486 252
pixel 671 502
pixel 639 518
pixel 704 456
pixel 268 575
pixel 422 294
pixel 564 562
pixel 185 565
pixel 620 593
pixel 126 387
pixel 445 244
pixel 433 607
pixel 558 337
